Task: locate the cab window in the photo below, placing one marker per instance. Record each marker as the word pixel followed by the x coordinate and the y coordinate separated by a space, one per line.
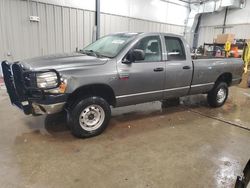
pixel 152 48
pixel 175 49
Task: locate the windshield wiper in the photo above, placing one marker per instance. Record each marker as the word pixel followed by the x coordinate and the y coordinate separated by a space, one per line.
pixel 90 52
pixel 93 53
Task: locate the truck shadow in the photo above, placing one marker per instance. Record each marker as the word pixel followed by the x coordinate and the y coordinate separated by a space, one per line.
pixel 57 123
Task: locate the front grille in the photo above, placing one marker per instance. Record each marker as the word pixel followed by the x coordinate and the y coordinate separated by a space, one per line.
pixel 9 82
pixel 13 78
pixel 18 81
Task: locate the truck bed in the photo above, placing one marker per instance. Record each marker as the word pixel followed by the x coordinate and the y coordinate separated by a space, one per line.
pixel 206 71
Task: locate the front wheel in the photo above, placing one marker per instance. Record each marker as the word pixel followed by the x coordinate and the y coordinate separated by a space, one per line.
pixel 218 95
pixel 89 117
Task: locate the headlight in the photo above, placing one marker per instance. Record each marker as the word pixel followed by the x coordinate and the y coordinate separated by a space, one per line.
pixel 60 89
pixel 47 80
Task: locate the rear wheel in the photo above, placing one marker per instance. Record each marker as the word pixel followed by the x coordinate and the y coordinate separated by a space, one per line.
pixel 89 117
pixel 218 95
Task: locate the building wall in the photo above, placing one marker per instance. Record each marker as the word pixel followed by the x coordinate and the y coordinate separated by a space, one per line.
pixel 165 11
pixel 238 23
pixel 112 23
pixel 66 25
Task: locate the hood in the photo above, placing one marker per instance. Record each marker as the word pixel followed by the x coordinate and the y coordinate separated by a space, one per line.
pixel 62 61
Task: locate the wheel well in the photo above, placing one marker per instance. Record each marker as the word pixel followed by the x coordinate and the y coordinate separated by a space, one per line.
pixel 101 90
pixel 225 77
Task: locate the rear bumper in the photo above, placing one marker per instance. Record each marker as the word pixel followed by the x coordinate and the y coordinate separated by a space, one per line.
pixel 31 101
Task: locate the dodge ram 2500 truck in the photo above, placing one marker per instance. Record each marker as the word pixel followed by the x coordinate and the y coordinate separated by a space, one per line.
pixel 117 70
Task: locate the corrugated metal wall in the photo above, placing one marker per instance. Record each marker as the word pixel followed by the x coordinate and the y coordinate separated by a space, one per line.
pixel 112 23
pixel 238 23
pixel 208 33
pixel 61 29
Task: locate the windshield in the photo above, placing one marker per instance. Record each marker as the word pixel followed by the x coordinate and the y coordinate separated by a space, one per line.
pixel 109 46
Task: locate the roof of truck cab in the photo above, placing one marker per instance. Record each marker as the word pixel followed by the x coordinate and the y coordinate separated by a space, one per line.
pixel 146 33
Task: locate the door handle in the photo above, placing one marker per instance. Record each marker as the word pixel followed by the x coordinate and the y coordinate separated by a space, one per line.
pixel 159 69
pixel 186 67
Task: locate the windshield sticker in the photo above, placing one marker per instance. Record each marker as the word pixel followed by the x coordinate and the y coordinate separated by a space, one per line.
pixel 118 41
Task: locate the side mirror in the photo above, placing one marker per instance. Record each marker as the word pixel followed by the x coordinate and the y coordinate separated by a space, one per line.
pixel 138 54
pixel 134 55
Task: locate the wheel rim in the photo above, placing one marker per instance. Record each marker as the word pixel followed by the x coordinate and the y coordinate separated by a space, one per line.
pixel 221 95
pixel 92 117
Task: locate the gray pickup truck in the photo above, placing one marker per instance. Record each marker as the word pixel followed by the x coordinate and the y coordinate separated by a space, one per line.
pixel 117 70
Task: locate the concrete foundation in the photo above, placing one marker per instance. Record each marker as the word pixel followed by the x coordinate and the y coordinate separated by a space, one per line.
pixel 191 145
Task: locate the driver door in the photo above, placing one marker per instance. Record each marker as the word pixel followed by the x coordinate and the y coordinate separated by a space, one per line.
pixel 142 81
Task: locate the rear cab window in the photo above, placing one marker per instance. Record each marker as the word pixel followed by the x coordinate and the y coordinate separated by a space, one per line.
pixel 175 49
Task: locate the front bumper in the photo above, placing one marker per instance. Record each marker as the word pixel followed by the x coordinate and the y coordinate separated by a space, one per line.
pixel 47 108
pixel 49 104
pixel 30 100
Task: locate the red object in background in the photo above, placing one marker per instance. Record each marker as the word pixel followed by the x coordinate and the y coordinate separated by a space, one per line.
pixel 124 78
pixel 235 51
pixel 1 82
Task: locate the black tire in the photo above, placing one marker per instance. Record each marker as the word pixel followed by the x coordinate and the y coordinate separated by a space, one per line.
pixel 78 111
pixel 214 99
